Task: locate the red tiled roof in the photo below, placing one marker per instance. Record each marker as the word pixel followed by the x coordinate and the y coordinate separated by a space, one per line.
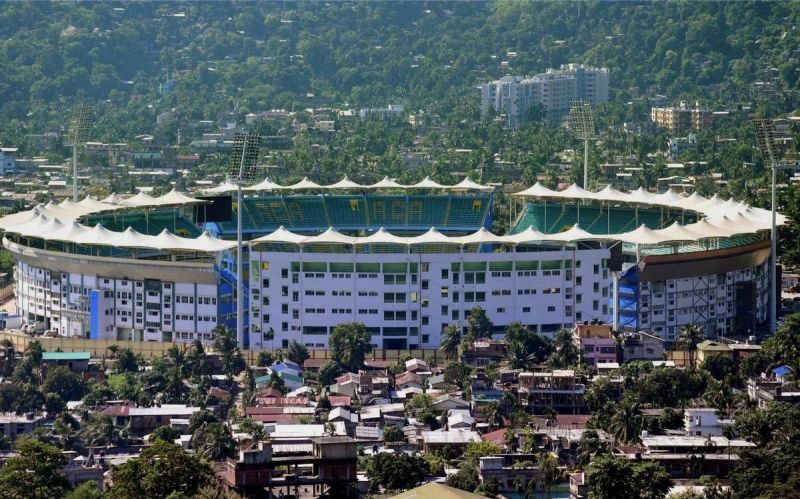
pixel 497 436
pixel 573 421
pixel 339 400
pixel 275 418
pixel 407 377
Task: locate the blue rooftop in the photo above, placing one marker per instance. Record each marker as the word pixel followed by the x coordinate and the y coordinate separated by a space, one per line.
pixel 781 370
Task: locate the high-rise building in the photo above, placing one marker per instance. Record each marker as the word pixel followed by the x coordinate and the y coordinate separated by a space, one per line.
pixel 554 91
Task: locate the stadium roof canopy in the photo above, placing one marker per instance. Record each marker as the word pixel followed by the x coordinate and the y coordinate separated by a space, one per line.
pixel 346 184
pixel 675 233
pixel 67 210
pixel 706 206
pixel 52 229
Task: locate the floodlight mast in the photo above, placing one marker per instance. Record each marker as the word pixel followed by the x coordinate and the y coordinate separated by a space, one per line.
pixel 248 144
pixel 79 127
pixel 766 142
pixel 581 121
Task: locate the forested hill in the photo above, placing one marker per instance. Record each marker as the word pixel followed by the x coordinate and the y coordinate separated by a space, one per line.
pixel 256 56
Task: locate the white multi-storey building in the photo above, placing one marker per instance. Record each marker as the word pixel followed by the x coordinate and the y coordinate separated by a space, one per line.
pixel 554 91
pixel 406 299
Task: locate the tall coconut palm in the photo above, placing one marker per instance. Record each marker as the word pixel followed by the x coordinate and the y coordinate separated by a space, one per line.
pixel 451 342
pixel 551 474
pixel 566 353
pixel 625 423
pixel 688 339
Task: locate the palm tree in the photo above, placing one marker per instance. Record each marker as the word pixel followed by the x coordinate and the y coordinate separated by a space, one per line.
pixel 566 353
pixel 213 441
pixel 625 423
pixel 551 474
pixel 451 342
pixel 689 337
pixel 9 356
pixel 494 416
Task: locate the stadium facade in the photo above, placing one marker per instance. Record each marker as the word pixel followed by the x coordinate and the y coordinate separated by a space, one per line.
pixel 404 260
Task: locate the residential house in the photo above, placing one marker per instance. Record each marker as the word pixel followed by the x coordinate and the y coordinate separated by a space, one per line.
pixel 508 473
pixel 13 425
pixel 595 342
pixel 558 389
pixel 702 422
pixel 457 439
pixel 485 352
pixel 642 346
pixel 691 456
pixel 144 420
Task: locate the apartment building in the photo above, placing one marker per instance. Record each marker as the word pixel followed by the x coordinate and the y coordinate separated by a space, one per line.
pixel 513 96
pixel 682 118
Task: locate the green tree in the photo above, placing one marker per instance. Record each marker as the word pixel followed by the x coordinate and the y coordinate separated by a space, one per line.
pixel 396 471
pixel 64 383
pixel 160 470
pixel 166 433
pixel 126 360
pixel 589 446
pixel 565 353
pixel 611 477
pixel 350 342
pixel 328 372
pixel 297 353
pixel 225 343
pixel 34 472
pixel 626 423
pixel 451 342
pixel 478 325
pixel 688 339
pixel 86 490
pixel 213 441
pixel 393 434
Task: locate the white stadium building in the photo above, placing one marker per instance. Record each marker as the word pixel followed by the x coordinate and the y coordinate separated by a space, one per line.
pixel 406 260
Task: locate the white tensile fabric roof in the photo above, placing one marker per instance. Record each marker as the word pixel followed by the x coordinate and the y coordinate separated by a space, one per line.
pixel 345 183
pixel 669 199
pixel 66 210
pixel 53 229
pixel 265 185
pixel 386 183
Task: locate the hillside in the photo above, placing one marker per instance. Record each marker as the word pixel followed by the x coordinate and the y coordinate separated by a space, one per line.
pixel 249 57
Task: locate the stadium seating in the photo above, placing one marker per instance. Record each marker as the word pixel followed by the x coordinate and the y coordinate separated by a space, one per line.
pixel 399 213
pixel 596 219
pixel 152 224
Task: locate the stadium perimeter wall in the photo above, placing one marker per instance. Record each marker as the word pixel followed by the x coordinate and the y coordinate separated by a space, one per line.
pixel 152 349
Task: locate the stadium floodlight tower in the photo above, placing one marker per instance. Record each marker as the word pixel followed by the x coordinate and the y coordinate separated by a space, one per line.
pixel 766 142
pixel 581 122
pixel 242 171
pixel 79 126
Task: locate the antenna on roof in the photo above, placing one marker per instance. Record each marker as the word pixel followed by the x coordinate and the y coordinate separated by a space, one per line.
pixel 79 125
pixel 242 170
pixel 581 122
